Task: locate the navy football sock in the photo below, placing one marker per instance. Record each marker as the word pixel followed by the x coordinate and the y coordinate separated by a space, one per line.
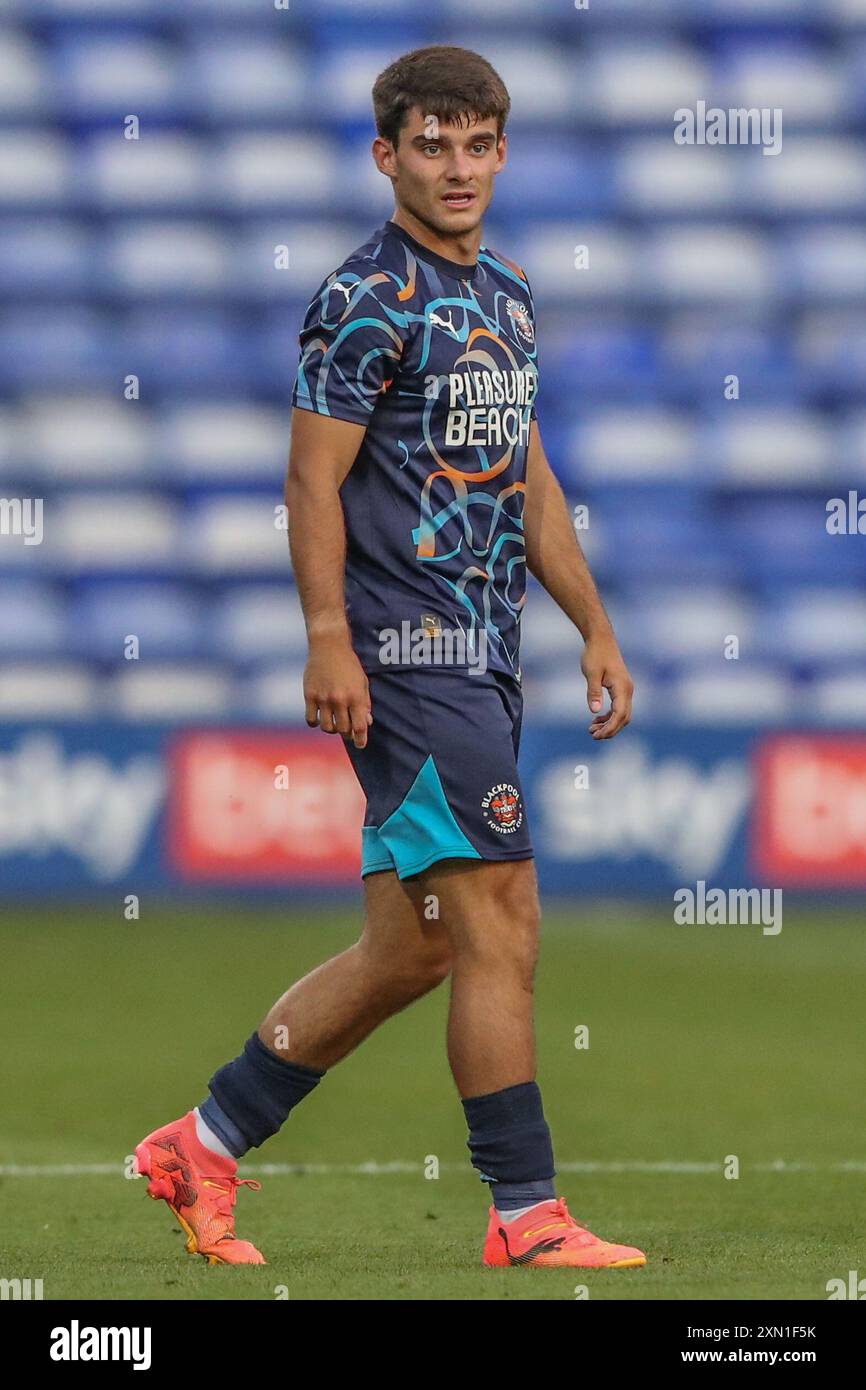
pixel 512 1196
pixel 251 1098
pixel 510 1145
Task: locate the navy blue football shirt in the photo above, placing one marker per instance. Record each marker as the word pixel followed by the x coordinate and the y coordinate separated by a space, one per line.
pixel 438 360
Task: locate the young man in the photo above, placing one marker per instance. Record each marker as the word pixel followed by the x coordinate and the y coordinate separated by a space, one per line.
pixel 418 492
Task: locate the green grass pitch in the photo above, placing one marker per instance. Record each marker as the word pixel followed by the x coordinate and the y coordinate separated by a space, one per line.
pixel 704 1042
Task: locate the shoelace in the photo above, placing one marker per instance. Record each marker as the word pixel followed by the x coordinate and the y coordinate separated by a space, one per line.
pixel 577 1233
pixel 228 1189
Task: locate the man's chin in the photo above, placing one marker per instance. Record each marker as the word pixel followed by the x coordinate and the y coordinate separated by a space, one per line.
pixel 456 222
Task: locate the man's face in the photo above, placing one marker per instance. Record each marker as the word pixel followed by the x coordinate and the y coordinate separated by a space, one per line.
pixel 441 172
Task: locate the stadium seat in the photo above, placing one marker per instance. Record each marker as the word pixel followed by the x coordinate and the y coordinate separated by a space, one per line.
pixel 186 259
pixel 33 619
pixel 754 695
pixel 159 258
pixel 760 448
pixel 258 622
pixel 252 171
pixel 675 623
pixel 838 699
pixel 48 690
pixel 84 437
pixel 273 692
pixel 169 169
pixel 823 176
pixel 712 263
pixel 656 176
pixel 35 170
pixel 237 534
pixel 636 444
pixel 170 692
pixel 114 531
pixel 233 442
pixel 816 624
pixel 24 85
pixel 247 78
pixel 163 620
pixel 102 74
pixel 45 255
pixel 645 81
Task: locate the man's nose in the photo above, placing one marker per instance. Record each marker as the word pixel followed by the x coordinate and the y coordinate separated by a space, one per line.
pixel 460 167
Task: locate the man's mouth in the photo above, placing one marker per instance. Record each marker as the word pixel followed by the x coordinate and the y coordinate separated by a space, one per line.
pixel 458 200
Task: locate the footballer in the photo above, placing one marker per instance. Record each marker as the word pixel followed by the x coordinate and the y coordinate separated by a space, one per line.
pixel 418 494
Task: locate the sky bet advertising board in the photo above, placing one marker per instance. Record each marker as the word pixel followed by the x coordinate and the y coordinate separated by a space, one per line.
pixel 129 808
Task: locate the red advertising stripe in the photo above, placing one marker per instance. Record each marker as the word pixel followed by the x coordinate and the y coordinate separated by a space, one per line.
pixel 810 810
pixel 263 807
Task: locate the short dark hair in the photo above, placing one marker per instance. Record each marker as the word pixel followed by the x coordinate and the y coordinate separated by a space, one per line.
pixel 453 84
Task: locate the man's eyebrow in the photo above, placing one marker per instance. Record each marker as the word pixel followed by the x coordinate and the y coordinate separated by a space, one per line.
pixel 443 139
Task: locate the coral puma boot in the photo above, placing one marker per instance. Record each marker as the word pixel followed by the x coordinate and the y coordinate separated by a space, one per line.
pixel 201 1187
pixel 548 1235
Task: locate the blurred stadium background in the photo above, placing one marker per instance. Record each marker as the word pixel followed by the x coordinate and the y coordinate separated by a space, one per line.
pixel 154 258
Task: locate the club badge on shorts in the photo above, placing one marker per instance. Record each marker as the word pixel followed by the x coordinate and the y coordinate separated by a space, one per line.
pixel 502 809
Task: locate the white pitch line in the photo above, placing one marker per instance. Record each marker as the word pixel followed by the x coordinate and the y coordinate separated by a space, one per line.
pixel 373 1169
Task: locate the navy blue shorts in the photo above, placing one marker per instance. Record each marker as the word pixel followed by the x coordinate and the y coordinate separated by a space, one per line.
pixel 440 769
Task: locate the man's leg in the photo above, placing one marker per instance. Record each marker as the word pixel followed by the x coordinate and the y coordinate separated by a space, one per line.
pixel 492 915
pixel 399 957
pixel 192 1162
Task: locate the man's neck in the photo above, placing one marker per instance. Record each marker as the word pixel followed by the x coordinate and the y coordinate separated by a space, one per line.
pixel 462 249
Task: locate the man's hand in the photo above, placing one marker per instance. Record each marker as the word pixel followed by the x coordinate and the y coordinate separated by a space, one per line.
pixel 336 690
pixel 604 668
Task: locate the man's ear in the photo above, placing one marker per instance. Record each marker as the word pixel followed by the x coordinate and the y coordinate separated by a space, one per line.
pixel 385 156
pixel 501 152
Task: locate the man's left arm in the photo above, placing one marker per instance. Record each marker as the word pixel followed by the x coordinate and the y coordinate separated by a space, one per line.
pixel 554 556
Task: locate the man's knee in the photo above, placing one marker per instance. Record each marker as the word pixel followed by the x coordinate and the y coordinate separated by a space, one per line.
pixel 414 969
pixel 498 918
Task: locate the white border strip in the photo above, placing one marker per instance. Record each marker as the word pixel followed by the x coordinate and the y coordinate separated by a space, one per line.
pixel 377 1170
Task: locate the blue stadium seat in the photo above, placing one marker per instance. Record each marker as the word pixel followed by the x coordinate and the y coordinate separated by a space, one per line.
pixel 102 75
pixel 45 255
pixel 166 620
pixel 274 692
pixel 33 619
pixel 150 257
pixel 735 694
pixel 186 259
pixel 25 91
pixel 230 534
pixel 243 78
pixel 815 624
pixel 168 170
pixel 35 170
pixel 115 533
pixel 257 623
pixel 230 442
pixel 170 692
pixel 31 361
pixel 49 690
pixel 182 350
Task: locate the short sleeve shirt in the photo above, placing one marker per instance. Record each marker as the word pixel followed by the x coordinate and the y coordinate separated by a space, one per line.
pixel 438 360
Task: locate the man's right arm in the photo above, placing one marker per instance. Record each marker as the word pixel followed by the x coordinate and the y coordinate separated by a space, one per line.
pixel 336 689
